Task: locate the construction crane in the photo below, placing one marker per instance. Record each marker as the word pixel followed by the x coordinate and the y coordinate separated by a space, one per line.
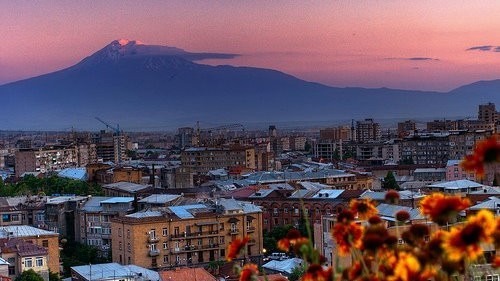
pixel 115 129
pixel 117 133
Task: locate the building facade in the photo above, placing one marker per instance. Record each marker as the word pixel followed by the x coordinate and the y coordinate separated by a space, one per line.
pixel 186 235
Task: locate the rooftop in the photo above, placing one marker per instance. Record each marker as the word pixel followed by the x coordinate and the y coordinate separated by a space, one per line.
pixel 159 198
pixel 73 173
pixel 126 186
pixel 193 274
pixel 458 184
pixel 23 231
pixel 114 271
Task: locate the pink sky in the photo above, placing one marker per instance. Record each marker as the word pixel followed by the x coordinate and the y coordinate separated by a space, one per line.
pixel 339 43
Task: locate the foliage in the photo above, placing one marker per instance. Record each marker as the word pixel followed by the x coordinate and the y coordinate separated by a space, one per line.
pixel 438 251
pixel 74 254
pixel 53 276
pixel 390 182
pixel 30 185
pixel 297 273
pixel 29 275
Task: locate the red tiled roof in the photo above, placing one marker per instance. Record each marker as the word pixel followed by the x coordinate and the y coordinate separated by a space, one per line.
pixel 186 274
pixel 23 248
pixel 273 277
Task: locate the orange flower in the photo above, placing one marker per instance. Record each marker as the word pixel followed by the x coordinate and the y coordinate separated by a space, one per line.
pixel 486 151
pixel 496 262
pixel 392 196
pixel 441 208
pixel 284 244
pixel 363 207
pixel 465 241
pixel 407 268
pixel 315 272
pixel 235 247
pixel 249 272
pixel 347 236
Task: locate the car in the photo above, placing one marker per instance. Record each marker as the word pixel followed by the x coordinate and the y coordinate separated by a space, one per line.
pixel 278 256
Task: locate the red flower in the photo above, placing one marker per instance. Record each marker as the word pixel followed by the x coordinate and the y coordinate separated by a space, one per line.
pixel 248 272
pixel 315 272
pixel 363 207
pixel 347 236
pixel 486 151
pixel 441 208
pixel 235 247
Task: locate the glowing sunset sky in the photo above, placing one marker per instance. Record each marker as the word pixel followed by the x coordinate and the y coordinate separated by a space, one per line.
pixel 398 44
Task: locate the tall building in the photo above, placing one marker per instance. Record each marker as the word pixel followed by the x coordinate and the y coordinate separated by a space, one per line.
pixel 367 130
pixel 487 113
pixel 406 128
pixel 192 234
pixel 204 159
pixel 184 137
pixel 110 147
pixel 335 134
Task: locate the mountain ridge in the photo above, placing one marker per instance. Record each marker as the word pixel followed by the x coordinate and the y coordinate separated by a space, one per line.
pixel 139 85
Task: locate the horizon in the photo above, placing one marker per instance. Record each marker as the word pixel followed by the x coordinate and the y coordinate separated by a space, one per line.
pixel 419 46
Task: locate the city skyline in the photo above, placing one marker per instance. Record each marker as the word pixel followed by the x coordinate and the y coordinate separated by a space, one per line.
pixel 420 45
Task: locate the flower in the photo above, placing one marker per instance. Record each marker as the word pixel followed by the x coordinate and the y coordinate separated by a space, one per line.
pixel 363 207
pixel 407 268
pixel 486 151
pixel 315 272
pixel 402 216
pixel 347 236
pixel 392 196
pixel 235 247
pixel 249 272
pixel 465 241
pixel 441 208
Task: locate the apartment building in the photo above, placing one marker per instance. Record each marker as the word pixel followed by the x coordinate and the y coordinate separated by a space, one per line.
pixel 61 214
pixel 94 220
pixel 432 148
pixel 22 255
pixel 204 159
pixel 42 238
pixel 192 234
pixel 22 210
pixel 367 130
pixel 53 158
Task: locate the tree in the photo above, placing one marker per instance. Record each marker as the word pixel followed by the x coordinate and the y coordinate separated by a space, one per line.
pixel 390 181
pixel 29 275
pixel 54 276
pixel 296 273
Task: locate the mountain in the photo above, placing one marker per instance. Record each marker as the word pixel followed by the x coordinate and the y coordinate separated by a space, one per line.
pixel 144 87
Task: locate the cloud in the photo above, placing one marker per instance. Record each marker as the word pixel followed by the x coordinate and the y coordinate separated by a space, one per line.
pixel 414 59
pixel 485 48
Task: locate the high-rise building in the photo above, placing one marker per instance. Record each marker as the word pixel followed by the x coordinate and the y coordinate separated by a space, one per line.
pixel 367 130
pixel 406 128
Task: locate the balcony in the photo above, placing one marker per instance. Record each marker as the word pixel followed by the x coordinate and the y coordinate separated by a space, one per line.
pixel 233 231
pixel 154 253
pixel 194 235
pixel 153 239
pixel 250 229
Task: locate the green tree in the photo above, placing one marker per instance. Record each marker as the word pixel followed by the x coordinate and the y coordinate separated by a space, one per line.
pixel 390 181
pixel 296 273
pixel 29 275
pixel 54 276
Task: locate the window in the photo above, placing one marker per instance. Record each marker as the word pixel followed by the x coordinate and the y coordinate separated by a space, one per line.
pixel 221 240
pixel 152 247
pixel 28 262
pixel 152 233
pixel 128 233
pixel 45 243
pixel 165 245
pixel 249 224
pixel 176 230
pixel 265 221
pixel 164 231
pixel 39 261
pixel 221 226
pixel 165 259
pixel 12 270
pixel 120 246
pixel 200 242
pixel 222 252
pixel 128 247
pixel 119 232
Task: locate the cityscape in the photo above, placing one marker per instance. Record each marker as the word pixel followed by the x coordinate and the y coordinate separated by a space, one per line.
pixel 129 161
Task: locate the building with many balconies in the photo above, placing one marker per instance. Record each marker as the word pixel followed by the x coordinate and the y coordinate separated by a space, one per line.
pixel 191 234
